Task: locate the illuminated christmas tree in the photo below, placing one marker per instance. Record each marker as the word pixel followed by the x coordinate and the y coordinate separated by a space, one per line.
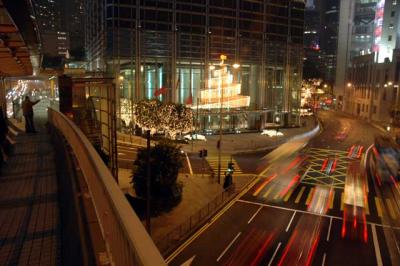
pixel 221 87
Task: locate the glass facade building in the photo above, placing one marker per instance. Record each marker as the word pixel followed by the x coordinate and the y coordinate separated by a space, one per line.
pixel 169 45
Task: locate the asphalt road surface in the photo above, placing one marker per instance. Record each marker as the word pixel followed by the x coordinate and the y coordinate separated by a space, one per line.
pixel 311 205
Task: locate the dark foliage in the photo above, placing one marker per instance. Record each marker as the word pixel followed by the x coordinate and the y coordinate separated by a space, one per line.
pixel 165 162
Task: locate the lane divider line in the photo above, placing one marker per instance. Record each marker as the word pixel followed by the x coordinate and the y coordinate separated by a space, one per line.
pixel 263 184
pixel 268 191
pixel 290 222
pixel 205 227
pixel 288 195
pixel 310 195
pixel 329 230
pixel 229 246
pixel 254 215
pixel 366 207
pixel 332 199
pixel 342 201
pixel 323 259
pixel 391 210
pixel 376 246
pixel 273 255
pixel 299 195
pixel 189 164
pixel 378 206
pixel 313 213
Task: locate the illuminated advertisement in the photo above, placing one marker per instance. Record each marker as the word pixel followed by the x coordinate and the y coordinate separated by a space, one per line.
pixel 380 10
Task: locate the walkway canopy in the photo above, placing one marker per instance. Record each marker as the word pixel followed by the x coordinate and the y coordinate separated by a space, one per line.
pixel 18 39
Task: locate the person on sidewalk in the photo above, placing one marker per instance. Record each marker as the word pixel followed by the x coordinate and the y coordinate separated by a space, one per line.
pixel 27 109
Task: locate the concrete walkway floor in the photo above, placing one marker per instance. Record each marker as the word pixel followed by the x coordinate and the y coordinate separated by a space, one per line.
pixel 29 214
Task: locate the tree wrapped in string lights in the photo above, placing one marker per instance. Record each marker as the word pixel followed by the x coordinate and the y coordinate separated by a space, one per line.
pixel 146 115
pixel 172 119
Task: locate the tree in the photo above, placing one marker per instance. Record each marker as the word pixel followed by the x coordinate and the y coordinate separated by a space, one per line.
pixel 176 119
pixel 165 163
pixel 146 115
pixel 172 119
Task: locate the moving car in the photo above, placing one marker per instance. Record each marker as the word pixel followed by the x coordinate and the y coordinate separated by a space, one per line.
pixel 271 133
pixel 195 137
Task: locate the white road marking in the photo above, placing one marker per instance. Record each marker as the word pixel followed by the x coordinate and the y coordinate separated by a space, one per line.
pixel 323 259
pixel 188 262
pixel 254 215
pixel 376 246
pixel 329 229
pixel 228 247
pixel 305 173
pixel 273 255
pixel 312 213
pixel 189 164
pixel 290 222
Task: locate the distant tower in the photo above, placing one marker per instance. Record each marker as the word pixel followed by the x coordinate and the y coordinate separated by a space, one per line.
pixel 310 4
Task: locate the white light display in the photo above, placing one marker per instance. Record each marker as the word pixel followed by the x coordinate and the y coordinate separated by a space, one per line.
pixel 221 88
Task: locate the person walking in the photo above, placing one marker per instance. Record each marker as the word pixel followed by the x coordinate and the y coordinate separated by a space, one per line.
pixel 27 109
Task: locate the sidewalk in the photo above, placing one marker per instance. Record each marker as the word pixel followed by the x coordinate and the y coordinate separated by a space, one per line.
pixel 29 222
pixel 197 192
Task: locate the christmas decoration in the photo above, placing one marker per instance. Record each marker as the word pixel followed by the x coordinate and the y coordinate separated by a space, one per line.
pixel 170 119
pixel 222 88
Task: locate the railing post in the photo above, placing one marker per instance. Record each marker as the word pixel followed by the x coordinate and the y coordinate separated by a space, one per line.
pixel 148 177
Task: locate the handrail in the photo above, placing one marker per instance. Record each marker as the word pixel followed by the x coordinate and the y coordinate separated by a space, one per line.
pixel 125 236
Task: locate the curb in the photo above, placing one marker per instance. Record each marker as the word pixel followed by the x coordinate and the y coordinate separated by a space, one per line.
pixel 319 128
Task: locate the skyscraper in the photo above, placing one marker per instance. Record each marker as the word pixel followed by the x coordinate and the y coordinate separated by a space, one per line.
pixel 48 15
pixel 320 39
pixel 313 64
pixel 171 44
pixel 72 22
pixel 356 37
pixel 329 37
pixel 55 41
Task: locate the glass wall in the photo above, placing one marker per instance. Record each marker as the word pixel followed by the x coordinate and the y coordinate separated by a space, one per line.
pixel 164 49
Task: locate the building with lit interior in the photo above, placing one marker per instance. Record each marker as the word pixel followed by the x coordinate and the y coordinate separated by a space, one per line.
pixel 355 38
pixel 170 49
pixel 372 82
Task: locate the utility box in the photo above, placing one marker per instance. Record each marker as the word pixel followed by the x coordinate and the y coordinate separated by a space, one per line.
pixel 65 93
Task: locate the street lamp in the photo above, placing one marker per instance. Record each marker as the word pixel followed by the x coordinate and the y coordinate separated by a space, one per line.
pixel 219 145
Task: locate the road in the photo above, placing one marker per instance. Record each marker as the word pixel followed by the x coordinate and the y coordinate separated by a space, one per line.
pixel 310 205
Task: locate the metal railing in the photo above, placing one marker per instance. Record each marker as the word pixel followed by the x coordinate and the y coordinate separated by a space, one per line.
pixel 126 239
pixel 185 229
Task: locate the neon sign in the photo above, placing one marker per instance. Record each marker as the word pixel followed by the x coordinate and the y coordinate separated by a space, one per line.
pixel 380 10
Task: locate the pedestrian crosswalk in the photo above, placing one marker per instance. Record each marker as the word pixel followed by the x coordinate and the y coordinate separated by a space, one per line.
pixel 302 195
pixel 213 162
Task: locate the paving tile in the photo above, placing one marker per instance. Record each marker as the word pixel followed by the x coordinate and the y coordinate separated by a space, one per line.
pixel 29 221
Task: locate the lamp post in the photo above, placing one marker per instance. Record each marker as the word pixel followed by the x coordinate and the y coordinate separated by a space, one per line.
pixel 222 71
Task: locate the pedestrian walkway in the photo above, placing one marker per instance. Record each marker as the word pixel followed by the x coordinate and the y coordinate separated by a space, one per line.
pixel 29 213
pixel 213 162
